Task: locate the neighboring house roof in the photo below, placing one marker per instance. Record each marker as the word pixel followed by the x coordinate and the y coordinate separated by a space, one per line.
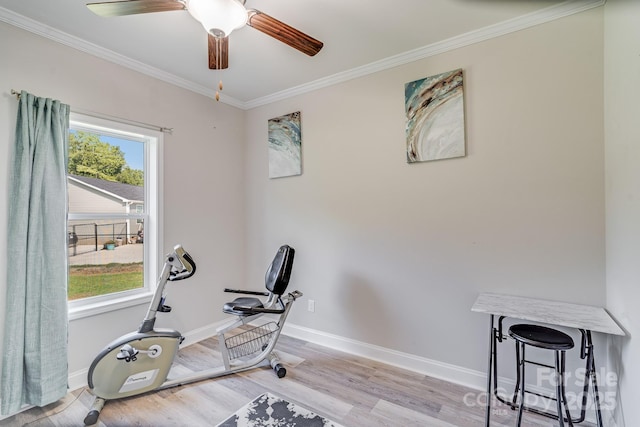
pixel 126 192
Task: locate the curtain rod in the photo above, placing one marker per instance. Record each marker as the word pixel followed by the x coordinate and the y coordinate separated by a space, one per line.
pixel 121 120
pixel 16 93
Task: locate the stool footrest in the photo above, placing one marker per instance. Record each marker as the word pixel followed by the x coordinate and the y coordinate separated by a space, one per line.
pixel 532 409
pixel 539 364
pixel 546 396
pixel 547 414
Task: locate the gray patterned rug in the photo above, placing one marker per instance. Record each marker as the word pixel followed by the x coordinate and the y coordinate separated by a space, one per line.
pixel 268 410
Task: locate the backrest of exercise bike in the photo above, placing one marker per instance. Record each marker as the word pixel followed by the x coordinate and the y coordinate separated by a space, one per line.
pixel 278 274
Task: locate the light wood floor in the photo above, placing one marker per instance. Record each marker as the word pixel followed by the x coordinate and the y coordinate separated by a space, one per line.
pixel 349 390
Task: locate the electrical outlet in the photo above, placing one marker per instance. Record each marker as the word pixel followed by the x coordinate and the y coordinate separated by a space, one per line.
pixel 311 305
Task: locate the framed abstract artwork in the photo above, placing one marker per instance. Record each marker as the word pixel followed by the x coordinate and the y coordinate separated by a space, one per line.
pixel 434 107
pixel 285 146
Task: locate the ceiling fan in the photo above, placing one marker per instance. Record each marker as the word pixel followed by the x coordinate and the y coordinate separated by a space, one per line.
pixel 219 18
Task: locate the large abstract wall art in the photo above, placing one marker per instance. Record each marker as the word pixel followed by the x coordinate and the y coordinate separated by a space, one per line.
pixel 285 143
pixel 435 117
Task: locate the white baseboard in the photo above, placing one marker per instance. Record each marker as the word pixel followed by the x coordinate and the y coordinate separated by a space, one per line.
pixel 433 368
pixel 475 380
pixel 444 371
pixel 78 379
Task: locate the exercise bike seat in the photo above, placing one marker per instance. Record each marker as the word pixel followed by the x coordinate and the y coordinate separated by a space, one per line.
pixel 276 282
pixel 242 306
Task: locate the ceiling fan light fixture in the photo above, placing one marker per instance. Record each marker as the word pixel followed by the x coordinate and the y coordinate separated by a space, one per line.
pixel 218 17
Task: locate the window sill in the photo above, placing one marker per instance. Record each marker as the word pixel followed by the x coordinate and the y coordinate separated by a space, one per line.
pixel 88 310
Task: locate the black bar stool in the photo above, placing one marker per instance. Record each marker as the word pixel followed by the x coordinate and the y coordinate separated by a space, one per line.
pixel 548 339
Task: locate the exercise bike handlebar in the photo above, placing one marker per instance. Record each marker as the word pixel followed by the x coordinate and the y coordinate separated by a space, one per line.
pixel 185 266
pixel 178 265
pixel 242 291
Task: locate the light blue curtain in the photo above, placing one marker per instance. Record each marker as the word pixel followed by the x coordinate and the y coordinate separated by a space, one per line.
pixel 34 363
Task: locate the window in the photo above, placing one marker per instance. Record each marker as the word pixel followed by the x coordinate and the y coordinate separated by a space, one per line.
pixel 113 175
pixel 139 210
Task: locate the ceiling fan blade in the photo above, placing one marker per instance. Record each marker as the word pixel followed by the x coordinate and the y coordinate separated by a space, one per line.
pixel 132 7
pixel 283 32
pixel 218 53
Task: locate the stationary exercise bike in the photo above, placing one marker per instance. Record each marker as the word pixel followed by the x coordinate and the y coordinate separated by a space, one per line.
pixel 140 361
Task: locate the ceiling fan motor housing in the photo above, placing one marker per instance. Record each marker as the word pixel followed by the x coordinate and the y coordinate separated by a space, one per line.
pixel 218 17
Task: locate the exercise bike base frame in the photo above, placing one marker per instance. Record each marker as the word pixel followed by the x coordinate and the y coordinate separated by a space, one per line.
pixel 140 362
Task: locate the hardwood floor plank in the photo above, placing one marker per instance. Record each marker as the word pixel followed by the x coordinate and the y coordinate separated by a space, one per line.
pixel 292 390
pixel 360 416
pixel 350 390
pixel 403 416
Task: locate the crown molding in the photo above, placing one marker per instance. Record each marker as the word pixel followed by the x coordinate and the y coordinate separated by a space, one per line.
pixel 548 14
pixel 545 15
pixel 61 37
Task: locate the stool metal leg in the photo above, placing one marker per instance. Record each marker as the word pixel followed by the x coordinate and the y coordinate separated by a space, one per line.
pixel 515 392
pixel 592 376
pixel 521 370
pixel 492 363
pixel 559 389
pixel 564 394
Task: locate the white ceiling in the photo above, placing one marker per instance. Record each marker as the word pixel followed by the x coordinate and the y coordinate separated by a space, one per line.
pixel 360 36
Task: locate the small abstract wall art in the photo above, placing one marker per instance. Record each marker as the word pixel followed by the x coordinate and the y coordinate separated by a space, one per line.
pixel 435 117
pixel 285 146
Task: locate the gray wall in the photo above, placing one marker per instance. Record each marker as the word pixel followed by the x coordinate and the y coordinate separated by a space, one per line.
pixel 394 254
pixel 622 136
pixel 203 211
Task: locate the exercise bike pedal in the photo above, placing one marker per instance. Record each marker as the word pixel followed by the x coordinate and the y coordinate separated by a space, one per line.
pixel 127 353
pixel 164 308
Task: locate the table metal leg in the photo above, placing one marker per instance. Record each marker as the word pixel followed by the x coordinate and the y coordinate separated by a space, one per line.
pixel 591 363
pixel 489 375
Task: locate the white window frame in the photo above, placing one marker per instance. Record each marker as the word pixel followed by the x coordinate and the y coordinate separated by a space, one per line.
pixel 152 215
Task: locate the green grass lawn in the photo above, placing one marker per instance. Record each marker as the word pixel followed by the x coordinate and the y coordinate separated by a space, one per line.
pixel 92 280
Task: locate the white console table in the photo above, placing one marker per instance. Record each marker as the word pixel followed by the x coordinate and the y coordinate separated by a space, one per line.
pixel 584 318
